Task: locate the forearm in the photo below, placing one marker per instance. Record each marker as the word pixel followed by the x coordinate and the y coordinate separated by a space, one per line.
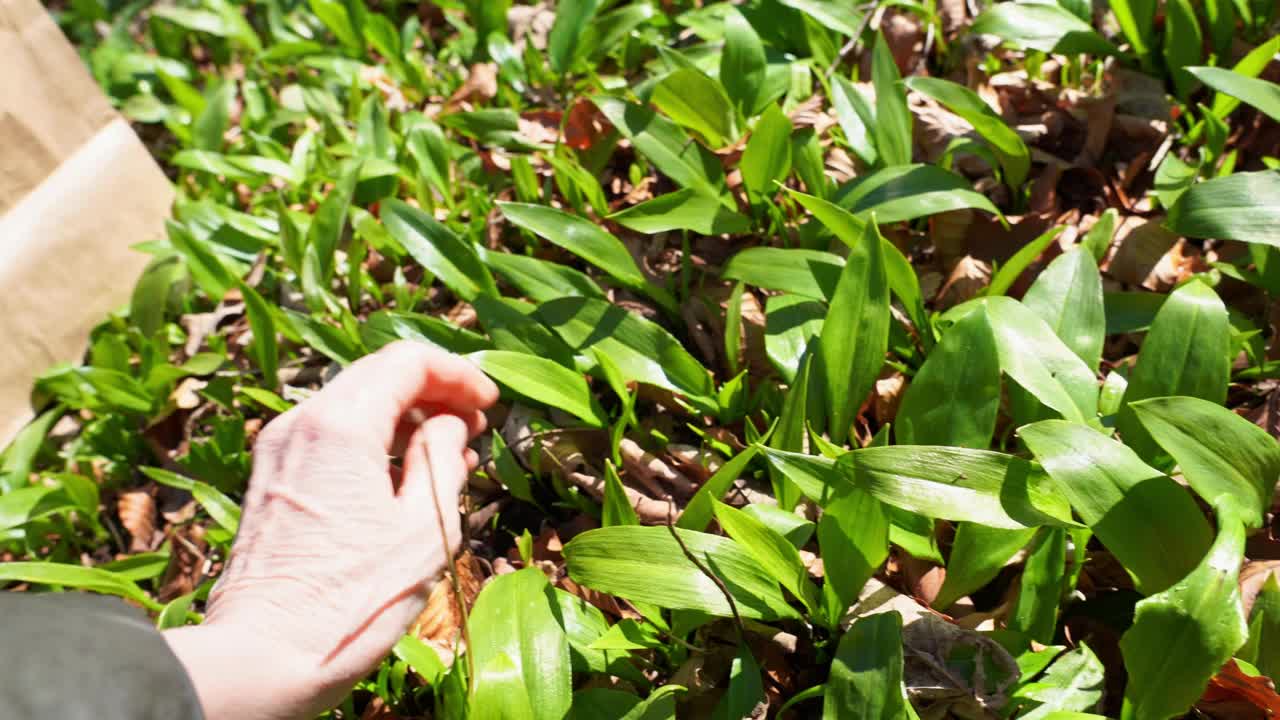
pixel 240 675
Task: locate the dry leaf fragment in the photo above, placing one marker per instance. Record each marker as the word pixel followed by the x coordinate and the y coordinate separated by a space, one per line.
pixel 441 621
pixel 480 86
pixel 137 512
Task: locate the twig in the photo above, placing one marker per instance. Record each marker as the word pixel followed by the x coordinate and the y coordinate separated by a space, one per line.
pixel 456 586
pixel 852 45
pixel 733 606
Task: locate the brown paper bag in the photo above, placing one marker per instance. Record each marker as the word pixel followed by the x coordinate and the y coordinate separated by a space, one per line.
pixel 77 189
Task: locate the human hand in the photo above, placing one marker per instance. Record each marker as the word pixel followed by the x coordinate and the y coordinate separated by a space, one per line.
pixel 335 551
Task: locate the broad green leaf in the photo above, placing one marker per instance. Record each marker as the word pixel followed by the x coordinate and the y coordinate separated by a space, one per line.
pixel 699 103
pixel 1183 45
pixel 1042 26
pixel 1014 156
pixel 978 553
pixel 1067 295
pixel 892 130
pixel 1185 353
pixel 1035 612
pixel 616 508
pixel 774 553
pixel 665 145
pixel 742 63
pixel 685 209
pixel 789 432
pixel 541 280
pixel 332 342
pixel 1039 362
pixel 513 617
pixel 791 324
pixel 511 326
pixel 207 270
pixel 17 459
pixel 807 273
pixel 746 688
pixel 853 536
pixel 265 352
pixel 586 240
pixel 866 674
pixel 224 511
pixel 1098 240
pixel 815 476
pixel 1263 95
pixel 175 611
pixel 1150 524
pixel 606 560
pixel 958 484
pixel 856 332
pixel 699 511
pixel 209 127
pixel 20 506
pixel 573 17
pixel 856 115
pixel 1181 637
pixel 78 577
pixel 1009 273
pixel 1230 462
pixel 438 249
pixel 829 13
pixel 1264 629
pixel 421 657
pixel 386 326
pixel 583 625
pixel 905 192
pixel 767 157
pixel 795 528
pixel 963 369
pixel 95 389
pixel 151 295
pixel 499 689
pixel 1250 66
pixel 1075 682
pixel 642 350
pixel 1243 206
pixel 543 380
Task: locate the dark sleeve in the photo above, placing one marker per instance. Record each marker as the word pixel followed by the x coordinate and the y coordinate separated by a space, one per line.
pixel 74 656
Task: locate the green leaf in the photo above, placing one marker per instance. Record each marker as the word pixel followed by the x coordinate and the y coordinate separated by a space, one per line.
pixel 1183 45
pixel 685 209
pixel 421 657
pixel 541 280
pixel 1098 240
pixel 1264 629
pixel 1009 273
pixel 743 63
pixel 1263 95
pixel 573 17
pixel 906 192
pixel 1181 637
pixel 1042 26
pixel 209 127
pixel 807 273
pixel 586 240
pixel 617 508
pixel 386 326
pixel 1243 206
pixel 95 389
pixel 699 103
pixel 643 351
pixel 1074 682
pixel 1150 524
pixel 746 689
pixel 774 553
pixel 78 577
pixel 866 674
pixel 853 536
pixel 1014 156
pixel 1067 295
pixel 957 484
pixel 511 327
pixel 18 458
pixel 1039 362
pixel 856 332
pixel 448 257
pixel 978 554
pixel 513 618
pixel 829 13
pixel 1035 612
pixel 222 509
pixel 205 267
pixel 21 506
pixel 265 352
pixel 665 145
pixel 964 368
pixel 767 157
pixel 1230 462
pixel 325 232
pixel 1250 66
pixel 892 130
pixel 791 324
pixel 856 116
pixel 606 560
pixel 1185 353
pixel 815 476
pixel 699 511
pixel 542 380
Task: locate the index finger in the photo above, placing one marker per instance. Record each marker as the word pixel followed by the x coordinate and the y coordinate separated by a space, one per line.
pixel 378 389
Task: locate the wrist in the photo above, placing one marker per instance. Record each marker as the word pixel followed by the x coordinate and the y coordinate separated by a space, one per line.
pixel 240 674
